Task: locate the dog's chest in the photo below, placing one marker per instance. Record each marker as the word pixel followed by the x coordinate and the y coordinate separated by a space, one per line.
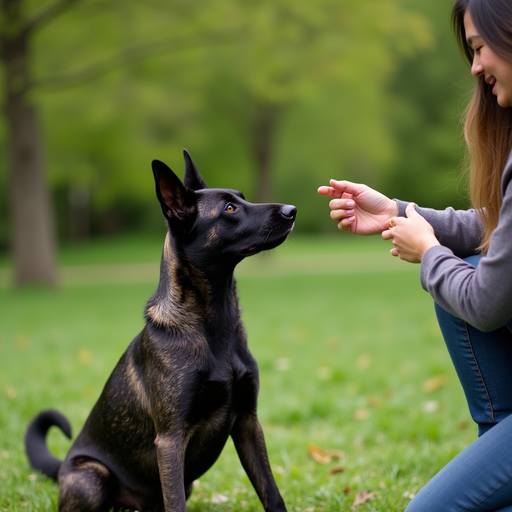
pixel 222 392
pixel 220 398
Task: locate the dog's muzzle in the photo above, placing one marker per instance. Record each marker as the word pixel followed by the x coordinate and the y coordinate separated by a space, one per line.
pixel 288 211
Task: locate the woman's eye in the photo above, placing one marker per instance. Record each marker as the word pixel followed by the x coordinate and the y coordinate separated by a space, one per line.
pixel 230 208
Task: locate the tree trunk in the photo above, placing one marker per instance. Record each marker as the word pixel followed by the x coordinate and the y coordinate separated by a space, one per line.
pixel 32 223
pixel 263 138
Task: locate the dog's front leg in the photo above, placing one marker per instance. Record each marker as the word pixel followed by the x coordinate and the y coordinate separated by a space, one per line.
pixel 248 437
pixel 170 453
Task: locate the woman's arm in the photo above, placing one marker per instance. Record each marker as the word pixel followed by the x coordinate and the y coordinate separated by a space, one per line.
pixel 481 296
pixel 459 230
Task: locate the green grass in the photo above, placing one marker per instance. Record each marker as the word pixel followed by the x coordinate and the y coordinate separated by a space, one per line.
pixel 345 338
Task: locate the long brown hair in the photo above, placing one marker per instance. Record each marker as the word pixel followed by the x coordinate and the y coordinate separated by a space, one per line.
pixel 488 128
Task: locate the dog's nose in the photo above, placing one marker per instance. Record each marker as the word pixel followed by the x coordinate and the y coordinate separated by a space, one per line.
pixel 289 211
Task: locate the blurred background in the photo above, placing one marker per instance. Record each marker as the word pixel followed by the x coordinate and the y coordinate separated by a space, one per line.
pixel 272 97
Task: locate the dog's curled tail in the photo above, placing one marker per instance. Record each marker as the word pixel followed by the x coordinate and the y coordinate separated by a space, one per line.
pixel 35 441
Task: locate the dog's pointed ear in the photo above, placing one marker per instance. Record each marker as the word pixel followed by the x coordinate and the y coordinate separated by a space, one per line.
pixel 193 180
pixel 176 200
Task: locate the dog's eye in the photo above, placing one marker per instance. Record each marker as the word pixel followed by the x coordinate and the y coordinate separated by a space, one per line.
pixel 230 208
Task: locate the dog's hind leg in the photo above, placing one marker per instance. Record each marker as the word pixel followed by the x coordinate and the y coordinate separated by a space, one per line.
pixel 84 487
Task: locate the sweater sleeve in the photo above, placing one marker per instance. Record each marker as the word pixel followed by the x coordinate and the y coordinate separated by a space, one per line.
pixel 483 295
pixel 459 230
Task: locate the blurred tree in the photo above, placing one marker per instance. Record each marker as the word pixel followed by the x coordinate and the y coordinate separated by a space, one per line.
pixel 426 100
pixel 33 230
pixel 32 223
pixel 294 51
pixel 250 66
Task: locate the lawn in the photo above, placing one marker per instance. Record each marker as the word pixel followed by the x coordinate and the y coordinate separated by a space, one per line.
pixel 357 389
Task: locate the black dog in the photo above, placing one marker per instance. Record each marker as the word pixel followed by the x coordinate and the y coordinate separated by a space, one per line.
pixel 188 380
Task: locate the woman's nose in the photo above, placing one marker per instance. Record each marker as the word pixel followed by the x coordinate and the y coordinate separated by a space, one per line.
pixel 476 68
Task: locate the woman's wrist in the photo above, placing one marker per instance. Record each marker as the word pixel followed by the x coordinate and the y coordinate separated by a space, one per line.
pixel 393 207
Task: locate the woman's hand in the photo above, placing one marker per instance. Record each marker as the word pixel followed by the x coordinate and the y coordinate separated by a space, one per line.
pixel 358 209
pixel 411 236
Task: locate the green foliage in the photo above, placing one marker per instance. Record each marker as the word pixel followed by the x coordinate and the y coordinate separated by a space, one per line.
pixel 427 100
pixel 290 49
pixel 360 94
pixel 346 341
pixel 324 67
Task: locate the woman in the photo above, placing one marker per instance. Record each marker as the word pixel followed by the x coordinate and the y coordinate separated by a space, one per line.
pixel 466 264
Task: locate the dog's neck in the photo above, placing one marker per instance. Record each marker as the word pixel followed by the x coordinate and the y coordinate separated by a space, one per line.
pixel 187 299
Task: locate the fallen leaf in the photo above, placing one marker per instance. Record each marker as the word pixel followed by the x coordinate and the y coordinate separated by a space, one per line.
pixel 324 373
pixel 347 490
pixel 364 362
pixel 358 443
pixel 375 401
pixel 318 454
pixel 22 342
pixel 218 499
pixel 430 406
pixel 323 456
pixel 283 364
pixel 11 393
pixel 435 383
pixel 84 356
pixel 361 414
pixel 363 497
pixel 337 469
pixel 334 343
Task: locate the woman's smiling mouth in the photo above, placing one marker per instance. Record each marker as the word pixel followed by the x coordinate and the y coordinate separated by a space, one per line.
pixel 492 82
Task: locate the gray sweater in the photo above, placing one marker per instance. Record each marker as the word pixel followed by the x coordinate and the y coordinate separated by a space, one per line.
pixel 482 296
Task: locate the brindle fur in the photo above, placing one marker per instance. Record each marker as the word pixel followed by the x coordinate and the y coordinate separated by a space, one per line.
pixel 188 380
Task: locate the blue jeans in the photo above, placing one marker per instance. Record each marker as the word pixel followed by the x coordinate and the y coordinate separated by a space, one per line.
pixel 479 479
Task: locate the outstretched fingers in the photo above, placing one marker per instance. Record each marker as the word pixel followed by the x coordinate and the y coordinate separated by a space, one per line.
pixel 328 191
pixel 342 209
pixel 340 189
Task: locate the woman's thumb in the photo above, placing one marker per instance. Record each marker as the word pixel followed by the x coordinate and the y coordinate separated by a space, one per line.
pixel 410 210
